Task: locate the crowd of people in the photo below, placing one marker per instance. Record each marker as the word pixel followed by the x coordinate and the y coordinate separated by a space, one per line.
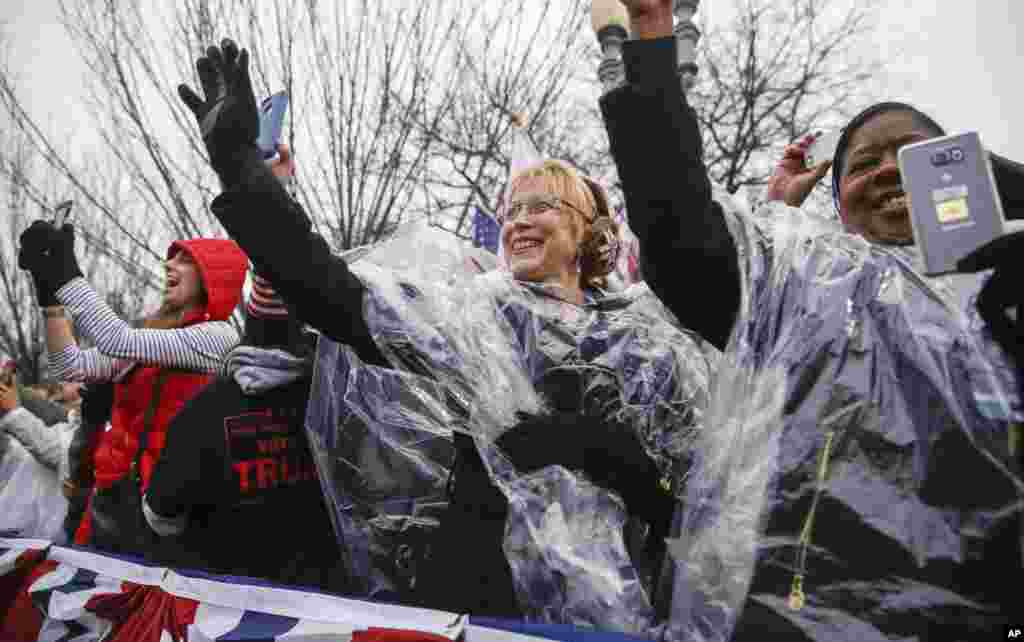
pixel 786 429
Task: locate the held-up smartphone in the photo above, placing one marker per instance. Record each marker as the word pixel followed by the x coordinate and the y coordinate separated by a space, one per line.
pixel 954 205
pixel 62 213
pixel 272 111
pixel 823 148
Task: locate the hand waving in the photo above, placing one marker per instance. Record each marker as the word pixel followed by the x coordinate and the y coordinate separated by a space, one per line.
pixel 227 114
pixel 792 181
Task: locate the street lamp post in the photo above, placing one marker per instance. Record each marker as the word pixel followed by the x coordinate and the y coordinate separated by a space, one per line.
pixel 687 36
pixel 611 25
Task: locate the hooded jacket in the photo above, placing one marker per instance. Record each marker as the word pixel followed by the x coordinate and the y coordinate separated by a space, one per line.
pixel 222 266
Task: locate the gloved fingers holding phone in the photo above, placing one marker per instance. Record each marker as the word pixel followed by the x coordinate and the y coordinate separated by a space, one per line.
pixel 48 254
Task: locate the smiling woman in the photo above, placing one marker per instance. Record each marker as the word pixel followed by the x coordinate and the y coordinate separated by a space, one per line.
pixel 856 389
pixel 866 181
pixel 557 229
pixel 454 417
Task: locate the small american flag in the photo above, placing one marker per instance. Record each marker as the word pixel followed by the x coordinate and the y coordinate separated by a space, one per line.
pixel 486 231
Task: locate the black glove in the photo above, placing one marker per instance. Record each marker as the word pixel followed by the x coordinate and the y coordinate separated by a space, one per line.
pixel 49 256
pixel 466 570
pixel 610 453
pixel 228 116
pixel 97 403
pixel 1002 292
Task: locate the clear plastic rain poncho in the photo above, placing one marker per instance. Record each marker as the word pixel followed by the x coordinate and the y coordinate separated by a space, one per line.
pixel 470 350
pixel 855 463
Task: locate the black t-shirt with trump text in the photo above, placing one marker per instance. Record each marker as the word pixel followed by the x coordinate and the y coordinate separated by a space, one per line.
pixel 241 469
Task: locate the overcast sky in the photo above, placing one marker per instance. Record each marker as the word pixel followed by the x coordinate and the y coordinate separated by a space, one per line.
pixel 960 61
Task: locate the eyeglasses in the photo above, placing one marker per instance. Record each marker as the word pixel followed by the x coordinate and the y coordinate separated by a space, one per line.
pixel 535 206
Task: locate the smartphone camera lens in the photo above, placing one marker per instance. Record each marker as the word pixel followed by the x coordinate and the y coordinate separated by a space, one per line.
pixel 940 158
pixel 956 155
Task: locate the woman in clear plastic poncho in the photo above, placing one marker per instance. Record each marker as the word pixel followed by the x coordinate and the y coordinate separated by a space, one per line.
pixel 555 391
pixel 858 483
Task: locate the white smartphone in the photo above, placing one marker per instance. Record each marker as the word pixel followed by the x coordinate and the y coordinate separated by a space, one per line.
pixel 272 111
pixel 62 213
pixel 954 205
pixel 823 148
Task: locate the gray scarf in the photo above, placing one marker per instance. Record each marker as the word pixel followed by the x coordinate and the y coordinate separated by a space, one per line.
pixel 257 370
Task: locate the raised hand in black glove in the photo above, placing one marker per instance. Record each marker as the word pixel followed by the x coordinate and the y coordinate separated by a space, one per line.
pixel 49 256
pixel 228 116
pixel 610 453
pixel 1003 292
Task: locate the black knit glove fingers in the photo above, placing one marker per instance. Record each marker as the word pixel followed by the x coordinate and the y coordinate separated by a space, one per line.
pixel 227 113
pixel 48 254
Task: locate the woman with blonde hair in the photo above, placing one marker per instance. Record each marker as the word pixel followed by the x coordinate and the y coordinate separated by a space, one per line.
pixel 476 420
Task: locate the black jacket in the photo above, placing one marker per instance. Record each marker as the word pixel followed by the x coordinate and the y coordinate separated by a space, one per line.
pixel 240 468
pixel 659 153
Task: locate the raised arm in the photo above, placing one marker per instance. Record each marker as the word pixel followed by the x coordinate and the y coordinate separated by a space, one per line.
pixel 66 362
pixel 687 254
pixel 49 254
pixel 198 347
pixel 260 215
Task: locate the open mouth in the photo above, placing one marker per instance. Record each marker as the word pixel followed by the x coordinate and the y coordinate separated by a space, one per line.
pixel 521 246
pixel 171 282
pixel 893 204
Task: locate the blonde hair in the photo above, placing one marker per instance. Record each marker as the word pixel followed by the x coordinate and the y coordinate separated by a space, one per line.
pixel 598 251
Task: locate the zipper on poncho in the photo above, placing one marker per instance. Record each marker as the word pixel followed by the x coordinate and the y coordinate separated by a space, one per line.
pixel 797 598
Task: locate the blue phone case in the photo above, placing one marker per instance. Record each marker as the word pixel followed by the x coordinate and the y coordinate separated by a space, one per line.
pixel 272 111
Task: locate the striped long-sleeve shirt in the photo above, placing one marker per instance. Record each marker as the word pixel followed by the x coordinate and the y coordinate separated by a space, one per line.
pixel 199 347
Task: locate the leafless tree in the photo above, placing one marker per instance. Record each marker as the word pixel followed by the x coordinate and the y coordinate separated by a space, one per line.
pixel 367 80
pixel 777 71
pixel 31 189
pixel 376 90
pixel 529 58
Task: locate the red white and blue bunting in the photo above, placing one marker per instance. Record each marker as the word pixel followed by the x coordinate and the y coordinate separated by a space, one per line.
pixel 77 595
